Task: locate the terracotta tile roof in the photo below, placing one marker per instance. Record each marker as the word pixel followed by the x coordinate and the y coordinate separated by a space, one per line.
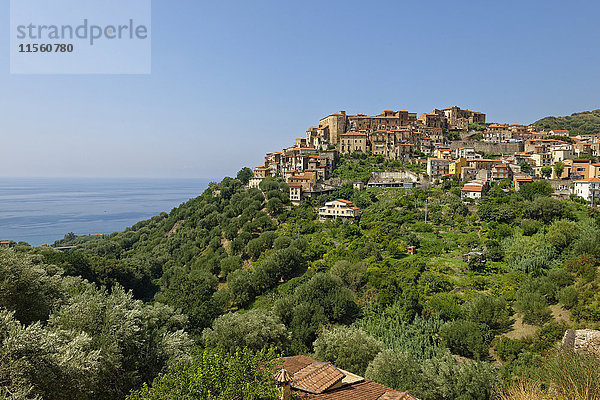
pixel 366 390
pixel 317 377
pixel 344 201
pixel 296 363
pixel 472 188
pixel 393 395
pixel 355 390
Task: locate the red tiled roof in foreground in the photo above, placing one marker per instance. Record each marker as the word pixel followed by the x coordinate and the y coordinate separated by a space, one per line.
pixel 365 390
pixel 317 377
pixel 353 387
pixel 295 363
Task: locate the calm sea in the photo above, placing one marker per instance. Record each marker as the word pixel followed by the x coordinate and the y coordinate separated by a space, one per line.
pixel 42 210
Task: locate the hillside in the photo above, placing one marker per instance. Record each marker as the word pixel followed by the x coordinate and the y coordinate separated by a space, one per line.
pixel 586 122
pixel 236 262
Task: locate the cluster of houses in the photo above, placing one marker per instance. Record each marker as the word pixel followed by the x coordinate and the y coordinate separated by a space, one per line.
pixel 447 142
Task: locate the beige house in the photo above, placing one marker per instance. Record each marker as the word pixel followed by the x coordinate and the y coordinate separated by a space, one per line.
pixel 260 174
pixel 353 142
pixel 339 208
pixel 458 117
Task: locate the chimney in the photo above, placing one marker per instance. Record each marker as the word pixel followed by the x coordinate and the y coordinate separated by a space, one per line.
pixel 283 381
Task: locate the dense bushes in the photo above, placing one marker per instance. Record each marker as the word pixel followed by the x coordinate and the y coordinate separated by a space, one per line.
pixel 347 348
pixel 218 375
pixel 256 330
pixel 79 342
pixel 323 299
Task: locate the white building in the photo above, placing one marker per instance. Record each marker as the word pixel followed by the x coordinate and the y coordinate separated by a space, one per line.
pixel 588 189
pixel 296 194
pixel 437 167
pixel 472 191
pixel 339 208
pixel 466 152
pixel 561 153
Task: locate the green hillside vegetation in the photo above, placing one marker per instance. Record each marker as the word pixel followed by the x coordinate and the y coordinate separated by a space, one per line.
pixel 586 122
pixel 240 268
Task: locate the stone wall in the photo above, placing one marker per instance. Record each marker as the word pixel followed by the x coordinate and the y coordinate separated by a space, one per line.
pixel 584 341
pixel 489 148
pixel 399 175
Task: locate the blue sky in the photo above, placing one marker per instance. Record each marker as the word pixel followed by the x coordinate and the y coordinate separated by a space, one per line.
pixel 232 80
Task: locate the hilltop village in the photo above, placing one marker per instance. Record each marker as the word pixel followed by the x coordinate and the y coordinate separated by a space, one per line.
pixel 451 142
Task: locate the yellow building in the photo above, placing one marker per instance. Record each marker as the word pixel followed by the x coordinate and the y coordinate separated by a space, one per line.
pixel 456 166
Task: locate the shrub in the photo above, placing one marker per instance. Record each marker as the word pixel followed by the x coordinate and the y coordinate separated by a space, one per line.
pixel 347 348
pixel 351 273
pixel 568 297
pixel 466 338
pixel 534 308
pixel 215 374
pixel 396 369
pixel 508 349
pixel 489 310
pixel 445 305
pixel 255 330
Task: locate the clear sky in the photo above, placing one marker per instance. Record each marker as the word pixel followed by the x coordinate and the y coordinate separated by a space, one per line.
pixel 233 79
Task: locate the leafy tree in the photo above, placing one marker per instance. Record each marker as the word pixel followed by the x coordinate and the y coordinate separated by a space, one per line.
pixel 347 348
pixel 543 209
pixel 193 293
pixel 466 338
pixel 29 288
pixel 282 264
pixel 526 167
pixel 135 342
pixel 537 188
pixel 322 299
pixel 496 212
pixel 445 378
pixel 396 369
pixel 351 273
pixel 53 364
pixel 559 168
pixel 489 310
pixel 546 172
pixel 230 264
pixel 216 375
pixel 244 175
pixel 255 330
pixel 242 287
pixel 439 378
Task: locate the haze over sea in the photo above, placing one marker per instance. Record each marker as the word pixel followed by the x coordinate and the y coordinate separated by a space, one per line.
pixel 42 210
